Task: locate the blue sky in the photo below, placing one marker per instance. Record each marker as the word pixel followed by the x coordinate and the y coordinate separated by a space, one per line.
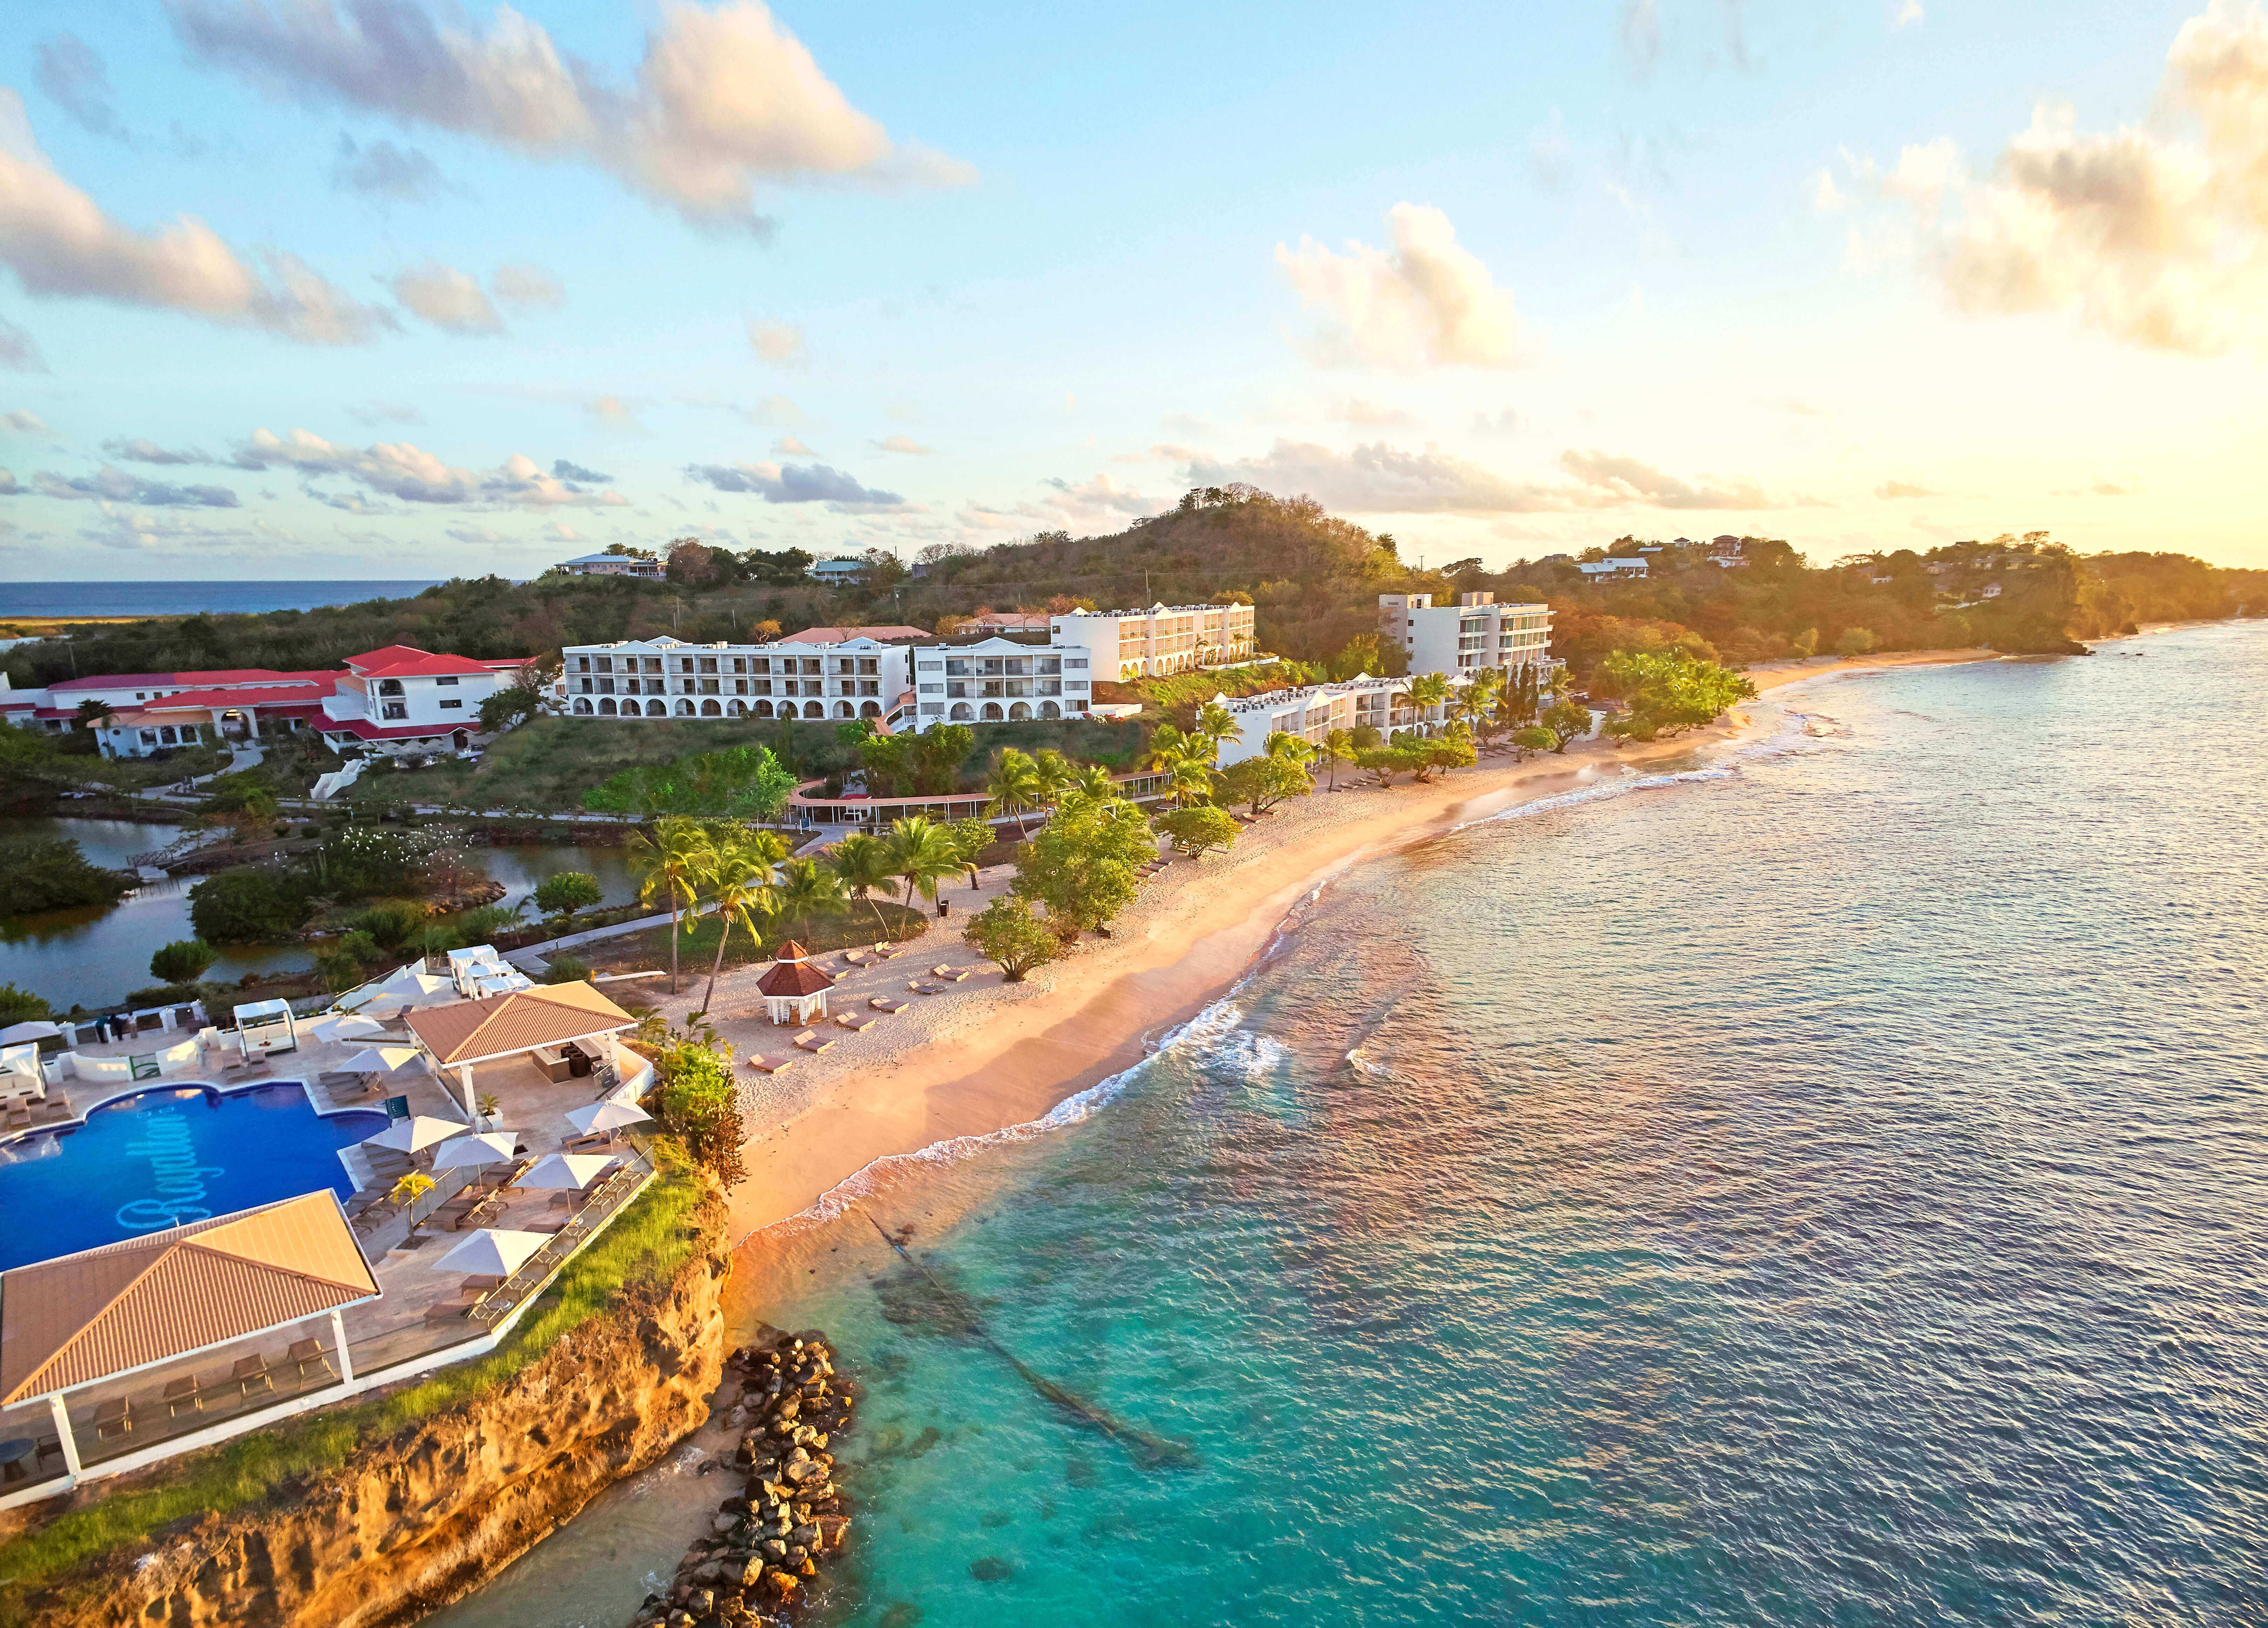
pixel 292 288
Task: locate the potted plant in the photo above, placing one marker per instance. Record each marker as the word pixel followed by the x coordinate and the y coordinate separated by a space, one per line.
pixel 406 1193
pixel 488 1104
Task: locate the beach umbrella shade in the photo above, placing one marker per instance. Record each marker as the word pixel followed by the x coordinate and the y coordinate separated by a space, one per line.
pixel 354 1027
pixel 608 1115
pixel 15 1034
pixel 495 1252
pixel 565 1169
pixel 380 1060
pixel 490 1148
pixel 417 1131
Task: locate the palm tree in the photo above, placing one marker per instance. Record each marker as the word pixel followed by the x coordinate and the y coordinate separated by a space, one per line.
pixel 807 889
pixel 1337 748
pixel 1015 785
pixel 862 861
pixel 1092 780
pixel 1215 723
pixel 1190 780
pixel 1286 747
pixel 1429 689
pixel 924 852
pixel 738 867
pixel 1058 776
pixel 668 865
pixel 1168 746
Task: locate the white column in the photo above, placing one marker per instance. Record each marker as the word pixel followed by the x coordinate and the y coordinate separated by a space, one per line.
pixel 465 1078
pixel 339 1334
pixel 63 1430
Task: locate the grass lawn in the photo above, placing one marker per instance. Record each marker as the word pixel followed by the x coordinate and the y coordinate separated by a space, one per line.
pixel 645 1245
pixel 638 951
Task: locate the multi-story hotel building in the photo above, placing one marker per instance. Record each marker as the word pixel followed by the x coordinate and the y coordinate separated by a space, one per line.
pixel 666 678
pixel 1002 680
pixel 1126 645
pixel 1475 632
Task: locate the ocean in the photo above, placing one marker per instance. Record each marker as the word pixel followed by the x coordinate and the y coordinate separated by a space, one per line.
pixel 1820 1181
pixel 188 599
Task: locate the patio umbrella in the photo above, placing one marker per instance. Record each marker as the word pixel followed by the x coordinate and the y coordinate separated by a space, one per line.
pixel 495 1252
pixel 380 1060
pixel 489 1148
pixel 15 1034
pixel 417 1131
pixel 565 1169
pixel 607 1115
pixel 353 1027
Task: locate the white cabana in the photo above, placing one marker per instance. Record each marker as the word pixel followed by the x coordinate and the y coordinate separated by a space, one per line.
pixel 404 987
pixel 488 1147
pixel 382 1059
pixel 417 1131
pixel 607 1115
pixel 15 1034
pixel 265 1026
pixel 572 1170
pixel 338 1028
pixel 495 1252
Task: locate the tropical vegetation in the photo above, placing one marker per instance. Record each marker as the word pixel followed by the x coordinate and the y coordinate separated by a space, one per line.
pixel 51 873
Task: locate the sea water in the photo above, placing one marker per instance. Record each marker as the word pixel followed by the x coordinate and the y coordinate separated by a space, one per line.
pixel 1820 1183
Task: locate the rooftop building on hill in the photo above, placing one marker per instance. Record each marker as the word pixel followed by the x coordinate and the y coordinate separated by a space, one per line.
pixel 1164 639
pixel 614 565
pixel 1476 632
pixel 1002 681
pixel 893 633
pixel 667 678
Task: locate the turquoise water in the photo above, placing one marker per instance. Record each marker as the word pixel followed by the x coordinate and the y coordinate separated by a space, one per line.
pixel 163 1158
pixel 1822 1184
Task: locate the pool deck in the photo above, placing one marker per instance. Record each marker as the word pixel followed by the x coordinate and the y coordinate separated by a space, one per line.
pixel 391 1330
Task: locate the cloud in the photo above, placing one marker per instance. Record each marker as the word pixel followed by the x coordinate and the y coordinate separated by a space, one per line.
pixel 904 443
pixel 1373 415
pixel 1377 478
pixel 414 475
pixel 1426 301
pixel 140 449
pixel 1641 34
pixel 1826 196
pixel 1549 157
pixel 725 101
pixel 23 422
pixel 7 487
pixel 450 299
pixel 779 343
pixel 61 245
pixel 67 70
pixel 772 412
pixel 792 446
pixel 385 413
pixel 567 471
pixel 1904 13
pixel 560 532
pixel 2102 486
pixel 793 483
pixel 140 530
pixel 615 414
pixel 1894 489
pixel 382 170
pixel 1510 421
pixel 111 484
pixel 527 286
pixel 17 352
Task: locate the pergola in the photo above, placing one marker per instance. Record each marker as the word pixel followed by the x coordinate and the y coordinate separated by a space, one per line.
pixel 120 1308
pixel 465 1033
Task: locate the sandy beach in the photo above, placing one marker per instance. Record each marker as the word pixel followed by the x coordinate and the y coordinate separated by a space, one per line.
pixel 985 1055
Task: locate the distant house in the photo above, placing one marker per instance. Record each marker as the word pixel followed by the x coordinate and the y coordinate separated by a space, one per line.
pixel 614 565
pixel 1008 622
pixel 891 634
pixel 838 572
pixel 1604 570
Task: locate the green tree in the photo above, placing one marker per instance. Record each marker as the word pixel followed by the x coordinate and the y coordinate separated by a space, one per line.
pixel 1337 747
pixel 938 758
pixel 336 969
pixel 1016 786
pixel 1007 931
pixel 1168 746
pixel 1451 751
pixel 1082 864
pixel 566 970
pixel 805 889
pixel 700 1107
pixel 668 865
pixel 1189 780
pixel 738 870
pixel 1196 831
pixel 1263 781
pixel 51 873
pixel 184 961
pixel 1383 762
pixel 889 762
pixel 972 836
pixel 862 862
pixel 563 892
pixel 1854 641
pixel 1668 693
pixel 1215 723
pixel 1565 721
pixel 20 1005
pixel 924 852
pixel 249 904
pixel 1428 690
pixel 1535 737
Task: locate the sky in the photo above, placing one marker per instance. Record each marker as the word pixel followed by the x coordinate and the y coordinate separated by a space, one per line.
pixel 387 289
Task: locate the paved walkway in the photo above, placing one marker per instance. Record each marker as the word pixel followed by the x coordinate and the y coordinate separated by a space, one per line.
pixel 540 953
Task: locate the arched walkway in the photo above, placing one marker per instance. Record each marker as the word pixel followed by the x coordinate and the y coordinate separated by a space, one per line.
pixel 654 709
pixel 582 708
pixel 871 710
pixel 711 709
pixel 736 708
pixel 814 709
pixel 763 709
pixel 991 712
pixel 962 713
pixel 843 709
pixel 607 708
pixel 1020 711
pixel 685 709
pixel 1049 709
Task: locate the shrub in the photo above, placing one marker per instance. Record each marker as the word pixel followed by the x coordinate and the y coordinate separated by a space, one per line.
pixel 1855 642
pixel 51 874
pixel 183 961
pixel 249 904
pixel 1008 932
pixel 390 925
pixel 20 1005
pixel 565 893
pixel 567 970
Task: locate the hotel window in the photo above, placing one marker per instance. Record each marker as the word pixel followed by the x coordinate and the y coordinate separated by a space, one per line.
pixel 762 664
pixel 739 687
pixel 451 704
pixel 741 664
pixel 389 686
pixel 684 664
pixel 811 667
pixel 446 682
pixel 582 664
pixel 393 709
pixel 607 664
pixel 708 663
pixel 869 666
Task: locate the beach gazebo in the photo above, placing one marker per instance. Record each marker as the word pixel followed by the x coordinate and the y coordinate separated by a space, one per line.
pixel 121 1309
pixel 795 990
pixel 537 1023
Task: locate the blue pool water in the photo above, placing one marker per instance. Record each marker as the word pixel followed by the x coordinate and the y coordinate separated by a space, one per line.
pixel 160 1158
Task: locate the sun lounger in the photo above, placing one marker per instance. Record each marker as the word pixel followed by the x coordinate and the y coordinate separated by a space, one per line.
pixel 927 989
pixel 854 958
pixel 941 970
pixel 308 1354
pixel 251 1373
pixel 113 1417
pixel 812 1040
pixel 961 974
pixel 855 1021
pixel 888 947
pixel 184 1393
pixel 768 1064
pixel 883 1003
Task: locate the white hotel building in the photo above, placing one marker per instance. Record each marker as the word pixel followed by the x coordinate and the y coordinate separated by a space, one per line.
pixel 1126 645
pixel 1002 681
pixel 666 678
pixel 1476 632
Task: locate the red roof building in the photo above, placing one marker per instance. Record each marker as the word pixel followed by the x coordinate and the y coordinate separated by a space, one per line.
pixel 794 991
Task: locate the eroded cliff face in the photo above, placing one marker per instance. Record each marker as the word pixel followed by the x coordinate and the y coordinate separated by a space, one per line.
pixel 418 1521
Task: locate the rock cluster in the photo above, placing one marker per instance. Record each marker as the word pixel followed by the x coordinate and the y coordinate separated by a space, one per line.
pixel 767 1540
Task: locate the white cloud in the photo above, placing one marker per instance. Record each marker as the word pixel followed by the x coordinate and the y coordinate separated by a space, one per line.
pixel 792 446
pixel 1377 478
pixel 67 70
pixel 727 101
pixel 615 414
pixel 904 443
pixel 1424 301
pixel 23 422
pixel 450 299
pixel 1826 196
pixel 61 245
pixel 1906 13
pixel 414 475
pixel 779 343
pixel 382 170
pixel 793 483
pixel 18 352
pixel 1374 414
pixel 527 286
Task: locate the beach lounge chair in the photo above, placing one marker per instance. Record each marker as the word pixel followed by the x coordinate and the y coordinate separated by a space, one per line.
pixel 855 957
pixel 941 970
pixel 927 989
pixel 592 1139
pixel 854 1021
pixel 251 1373
pixel 888 947
pixel 768 1064
pixel 113 1417
pixel 812 1040
pixel 308 1354
pixel 184 1393
pixel 883 1003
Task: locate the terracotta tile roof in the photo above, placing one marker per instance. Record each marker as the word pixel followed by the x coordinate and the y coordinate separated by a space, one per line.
pixel 794 975
pixel 467 1030
pixel 362 728
pixel 399 661
pixel 843 635
pixel 82 1318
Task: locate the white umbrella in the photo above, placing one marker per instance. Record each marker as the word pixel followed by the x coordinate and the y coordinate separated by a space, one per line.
pixel 565 1169
pixel 353 1027
pixel 380 1060
pixel 490 1148
pixel 417 1131
pixel 17 1033
pixel 605 1115
pixel 493 1252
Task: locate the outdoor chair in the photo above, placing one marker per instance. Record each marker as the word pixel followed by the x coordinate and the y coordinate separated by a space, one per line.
pixel 184 1393
pixel 854 1021
pixel 927 989
pixel 250 1373
pixel 308 1354
pixel 812 1040
pixel 19 1118
pixel 113 1417
pixel 883 1003
pixel 589 1139
pixel 446 1312
pixel 50 1447
pixel 768 1064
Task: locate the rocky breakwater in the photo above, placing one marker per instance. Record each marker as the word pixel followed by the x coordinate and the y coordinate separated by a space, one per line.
pixel 768 1539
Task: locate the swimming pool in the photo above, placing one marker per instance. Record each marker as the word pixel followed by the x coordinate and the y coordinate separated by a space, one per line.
pixel 164 1156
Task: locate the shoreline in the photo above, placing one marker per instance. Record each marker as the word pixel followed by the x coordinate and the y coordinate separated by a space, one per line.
pixel 986 1059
